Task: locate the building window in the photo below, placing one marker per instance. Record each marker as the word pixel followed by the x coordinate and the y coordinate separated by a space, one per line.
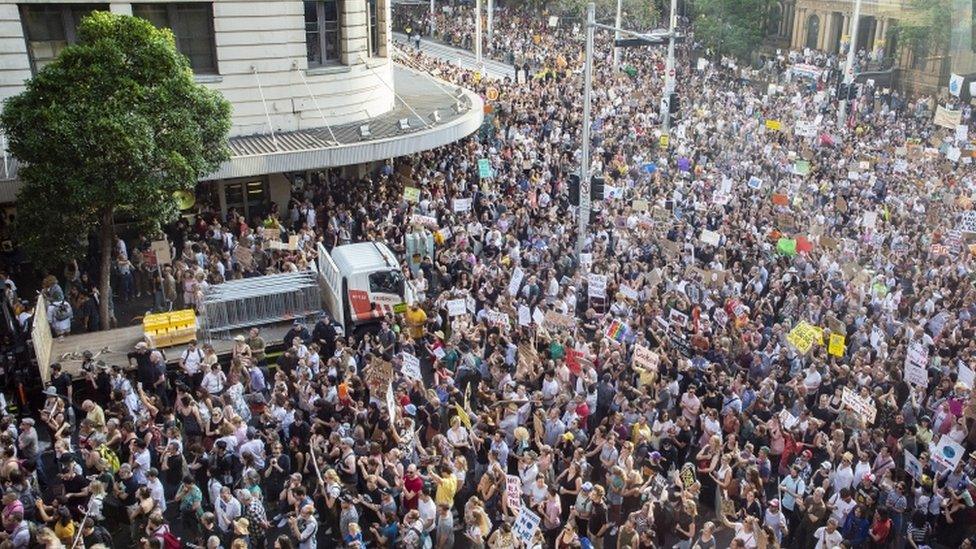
pixel 374 28
pixel 192 26
pixel 49 28
pixel 322 32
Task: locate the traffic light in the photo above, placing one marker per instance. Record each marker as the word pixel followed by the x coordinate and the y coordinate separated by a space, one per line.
pixel 673 105
pixel 574 189
pixel 597 187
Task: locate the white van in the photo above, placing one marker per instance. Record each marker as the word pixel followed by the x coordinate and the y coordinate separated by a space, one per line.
pixel 362 283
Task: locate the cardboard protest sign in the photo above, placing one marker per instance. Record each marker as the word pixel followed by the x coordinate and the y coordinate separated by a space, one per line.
pixel 596 285
pixel 861 407
pixel 803 336
pixel 378 374
pixel 710 237
pixel 916 364
pixel 411 194
pixel 513 492
pixel 461 204
pixel 559 321
pixel 484 168
pixel 948 453
pixel 497 318
pixel 645 358
pixel 456 307
pixel 947 118
pixel 913 466
pixel 525 525
pixel 516 282
pixel 410 366
pixel 836 346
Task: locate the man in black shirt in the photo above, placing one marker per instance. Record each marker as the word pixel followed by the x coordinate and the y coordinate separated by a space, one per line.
pixel 325 335
pixel 145 373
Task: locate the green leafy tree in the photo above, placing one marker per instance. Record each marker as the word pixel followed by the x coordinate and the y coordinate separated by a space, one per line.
pixel 114 126
pixel 925 25
pixel 731 27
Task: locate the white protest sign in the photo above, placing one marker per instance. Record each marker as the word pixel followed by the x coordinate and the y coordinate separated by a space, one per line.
pixel 859 406
pixel 702 64
pixel 869 220
pixel 710 237
pixel 455 307
pixel 629 292
pixel 967 375
pixel 497 318
pixel 469 304
pixel 516 282
pixel 805 128
pixel 538 317
pixel 424 221
pixel 553 20
pixel 788 420
pixel 953 154
pixel 677 317
pixel 524 316
pixel 646 358
pixel 916 365
pixel 948 453
pixel 967 223
pixel 597 285
pixel 525 525
pixel 912 466
pixel 962 132
pixel 586 259
pixel 461 204
pixel 513 492
pixel 390 399
pixel 410 366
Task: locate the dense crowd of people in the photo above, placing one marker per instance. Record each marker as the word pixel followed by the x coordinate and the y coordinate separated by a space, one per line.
pixel 766 341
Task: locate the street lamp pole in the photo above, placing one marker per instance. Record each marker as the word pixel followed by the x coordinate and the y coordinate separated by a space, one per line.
pixel 491 19
pixel 433 21
pixel 849 68
pixel 584 199
pixel 616 50
pixel 477 34
pixel 669 77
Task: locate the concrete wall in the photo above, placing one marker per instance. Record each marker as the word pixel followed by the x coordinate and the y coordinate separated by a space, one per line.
pixel 266 37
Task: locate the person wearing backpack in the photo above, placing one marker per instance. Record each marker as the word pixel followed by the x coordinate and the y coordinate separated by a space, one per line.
pixel 304 527
pixel 93 534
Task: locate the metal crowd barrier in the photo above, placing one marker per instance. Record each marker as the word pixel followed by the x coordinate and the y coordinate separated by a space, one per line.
pixel 260 301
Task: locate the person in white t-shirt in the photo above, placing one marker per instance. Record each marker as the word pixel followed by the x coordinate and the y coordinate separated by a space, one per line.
pixel 840 504
pixel 827 537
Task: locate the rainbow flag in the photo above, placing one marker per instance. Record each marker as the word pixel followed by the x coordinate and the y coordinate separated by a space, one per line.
pixel 616 331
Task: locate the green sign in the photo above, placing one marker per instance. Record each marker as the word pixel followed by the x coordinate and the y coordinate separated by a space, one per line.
pixel 484 168
pixel 801 167
pixel 400 308
pixel 786 246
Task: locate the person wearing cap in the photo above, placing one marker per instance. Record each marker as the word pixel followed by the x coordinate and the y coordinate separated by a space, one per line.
pixel 775 520
pixel 298 330
pixel 27 441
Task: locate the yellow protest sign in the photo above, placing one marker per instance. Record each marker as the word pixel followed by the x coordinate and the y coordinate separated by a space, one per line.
pixel 463 416
pixel 803 336
pixel 836 346
pixel 492 93
pixel 817 334
pixel 664 141
pixel 774 125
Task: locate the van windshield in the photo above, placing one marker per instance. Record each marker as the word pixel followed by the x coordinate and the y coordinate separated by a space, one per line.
pixel 386 282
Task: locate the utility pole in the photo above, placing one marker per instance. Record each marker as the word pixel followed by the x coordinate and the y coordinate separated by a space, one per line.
pixel 477 35
pixel 849 68
pixel 584 200
pixel 616 50
pixel 433 20
pixel 669 78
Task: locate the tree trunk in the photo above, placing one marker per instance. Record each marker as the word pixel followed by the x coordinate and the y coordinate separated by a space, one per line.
pixel 106 233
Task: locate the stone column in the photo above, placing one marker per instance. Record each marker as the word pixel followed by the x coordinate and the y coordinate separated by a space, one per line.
pixel 825 23
pixel 353 45
pixel 799 22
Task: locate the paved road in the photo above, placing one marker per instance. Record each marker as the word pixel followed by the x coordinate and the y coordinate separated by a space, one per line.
pixel 494 69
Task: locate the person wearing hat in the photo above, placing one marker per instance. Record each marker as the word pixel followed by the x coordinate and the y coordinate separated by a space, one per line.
pixel 298 330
